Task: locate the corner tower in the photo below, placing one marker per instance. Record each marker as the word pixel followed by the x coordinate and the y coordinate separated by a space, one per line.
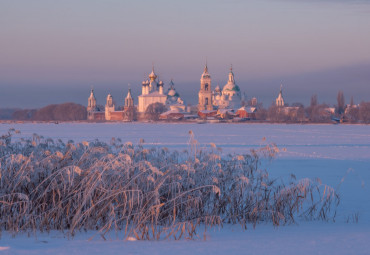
pixel 205 92
pixel 91 106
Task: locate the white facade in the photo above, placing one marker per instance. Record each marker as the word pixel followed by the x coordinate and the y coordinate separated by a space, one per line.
pixel 91 106
pixel 230 96
pixel 205 92
pixel 151 92
pixel 109 107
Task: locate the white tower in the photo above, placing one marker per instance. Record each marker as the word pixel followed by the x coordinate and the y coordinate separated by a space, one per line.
pixel 205 92
pixel 129 101
pixel 109 107
pixel 280 99
pixel 91 106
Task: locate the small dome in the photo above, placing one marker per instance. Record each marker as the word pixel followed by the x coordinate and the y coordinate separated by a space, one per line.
pixel 172 92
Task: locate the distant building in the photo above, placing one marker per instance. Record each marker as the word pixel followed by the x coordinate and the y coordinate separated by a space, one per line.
pixel 230 96
pixel 110 112
pixel 205 92
pixel 151 92
pixel 174 101
pixel 171 115
pixel 254 102
pixel 129 101
pixel 109 107
pixel 280 99
pixel 91 106
pixel 247 112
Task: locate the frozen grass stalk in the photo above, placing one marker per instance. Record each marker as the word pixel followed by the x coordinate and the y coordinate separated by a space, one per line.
pixel 147 194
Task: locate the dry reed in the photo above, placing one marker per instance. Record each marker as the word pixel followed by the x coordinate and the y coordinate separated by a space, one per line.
pixel 147 194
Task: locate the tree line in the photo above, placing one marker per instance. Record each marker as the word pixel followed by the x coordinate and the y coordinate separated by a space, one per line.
pixel 53 112
pixel 318 112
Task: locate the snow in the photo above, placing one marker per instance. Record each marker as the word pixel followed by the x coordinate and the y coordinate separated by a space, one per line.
pixel 337 154
pixel 316 238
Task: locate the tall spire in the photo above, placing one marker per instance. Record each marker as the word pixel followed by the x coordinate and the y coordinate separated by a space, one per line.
pixel 281 89
pixel 206 68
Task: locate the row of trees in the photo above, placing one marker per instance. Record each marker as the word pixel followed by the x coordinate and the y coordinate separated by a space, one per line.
pixel 53 112
pixel 318 113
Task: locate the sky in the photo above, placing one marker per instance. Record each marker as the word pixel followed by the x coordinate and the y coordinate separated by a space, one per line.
pixel 55 51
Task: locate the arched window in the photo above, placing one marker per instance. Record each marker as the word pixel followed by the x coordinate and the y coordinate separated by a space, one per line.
pixel 206 99
pixel 206 86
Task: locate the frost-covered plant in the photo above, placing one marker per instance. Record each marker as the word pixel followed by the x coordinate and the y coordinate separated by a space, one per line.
pixel 146 193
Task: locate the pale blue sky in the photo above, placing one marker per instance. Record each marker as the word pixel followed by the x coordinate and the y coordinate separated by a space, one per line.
pixel 54 51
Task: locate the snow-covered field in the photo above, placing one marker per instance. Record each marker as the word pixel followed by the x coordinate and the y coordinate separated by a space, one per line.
pixel 338 154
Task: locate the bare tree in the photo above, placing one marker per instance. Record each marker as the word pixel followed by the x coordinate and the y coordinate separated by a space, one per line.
pixel 364 112
pixel 131 113
pixel 261 114
pixel 319 113
pixel 62 112
pixel 311 110
pixel 313 100
pixel 26 114
pixel 276 114
pixel 340 103
pixel 353 114
pixel 154 110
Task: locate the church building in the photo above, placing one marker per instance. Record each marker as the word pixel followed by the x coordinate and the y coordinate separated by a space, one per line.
pixel 151 92
pixel 230 96
pixel 280 100
pixel 110 112
pixel 205 92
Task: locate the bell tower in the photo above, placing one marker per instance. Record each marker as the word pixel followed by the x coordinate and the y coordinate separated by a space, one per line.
pixel 205 92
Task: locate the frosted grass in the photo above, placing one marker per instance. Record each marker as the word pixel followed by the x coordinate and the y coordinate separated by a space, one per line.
pixel 146 193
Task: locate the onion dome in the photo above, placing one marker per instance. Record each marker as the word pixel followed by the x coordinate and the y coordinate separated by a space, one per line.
pixel 152 75
pixel 171 92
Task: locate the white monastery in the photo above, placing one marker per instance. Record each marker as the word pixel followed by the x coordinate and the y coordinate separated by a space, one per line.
pixel 228 100
pixel 151 92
